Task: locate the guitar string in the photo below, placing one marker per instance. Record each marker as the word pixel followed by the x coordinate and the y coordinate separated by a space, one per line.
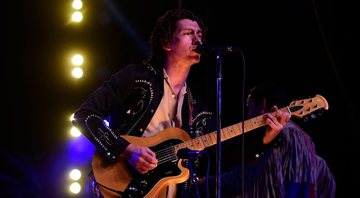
pixel 165 154
pixel 164 158
pixel 168 154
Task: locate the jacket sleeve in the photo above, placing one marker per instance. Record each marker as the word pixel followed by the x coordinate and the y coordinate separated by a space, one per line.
pixel 90 116
pixel 94 128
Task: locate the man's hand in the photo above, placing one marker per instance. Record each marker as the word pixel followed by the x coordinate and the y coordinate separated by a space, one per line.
pixel 141 158
pixel 275 123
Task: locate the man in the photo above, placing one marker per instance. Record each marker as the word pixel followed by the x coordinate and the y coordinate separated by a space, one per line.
pixel 289 167
pixel 143 100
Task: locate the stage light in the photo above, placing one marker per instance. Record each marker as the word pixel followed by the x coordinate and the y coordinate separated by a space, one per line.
pixel 75 174
pixel 77 4
pixel 75 188
pixel 71 117
pixel 77 16
pixel 77 60
pixel 77 72
pixel 75 132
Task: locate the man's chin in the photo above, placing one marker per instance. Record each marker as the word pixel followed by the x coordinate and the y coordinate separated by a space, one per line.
pixel 197 58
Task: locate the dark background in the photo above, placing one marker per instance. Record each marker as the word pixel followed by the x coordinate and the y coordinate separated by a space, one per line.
pixel 307 47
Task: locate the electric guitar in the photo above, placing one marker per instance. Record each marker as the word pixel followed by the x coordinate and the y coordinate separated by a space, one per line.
pixel 119 179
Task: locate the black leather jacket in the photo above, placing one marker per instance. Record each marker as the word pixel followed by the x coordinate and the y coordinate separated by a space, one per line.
pixel 128 100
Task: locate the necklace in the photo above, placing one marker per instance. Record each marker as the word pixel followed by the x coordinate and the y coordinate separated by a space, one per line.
pixel 171 89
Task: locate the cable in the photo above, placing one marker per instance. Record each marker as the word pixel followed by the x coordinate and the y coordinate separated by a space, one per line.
pixel 242 127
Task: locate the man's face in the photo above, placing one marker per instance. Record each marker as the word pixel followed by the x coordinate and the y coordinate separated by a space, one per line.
pixel 185 39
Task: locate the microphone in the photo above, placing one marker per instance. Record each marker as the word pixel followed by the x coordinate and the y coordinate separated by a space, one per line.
pixel 202 48
pixel 186 153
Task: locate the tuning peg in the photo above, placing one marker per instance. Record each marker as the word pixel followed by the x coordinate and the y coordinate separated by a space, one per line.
pixel 321 112
pixel 305 119
pixel 313 116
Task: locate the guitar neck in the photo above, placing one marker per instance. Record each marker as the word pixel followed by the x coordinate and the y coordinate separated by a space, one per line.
pixel 229 132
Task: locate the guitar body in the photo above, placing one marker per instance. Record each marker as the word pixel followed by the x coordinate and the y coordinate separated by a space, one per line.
pixel 120 176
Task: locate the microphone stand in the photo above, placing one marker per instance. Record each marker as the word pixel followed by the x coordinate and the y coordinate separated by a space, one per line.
pixel 218 121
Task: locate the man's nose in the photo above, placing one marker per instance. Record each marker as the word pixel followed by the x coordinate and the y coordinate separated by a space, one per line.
pixel 197 42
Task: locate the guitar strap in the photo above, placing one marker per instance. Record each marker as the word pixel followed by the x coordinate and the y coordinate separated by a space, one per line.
pixel 192 164
pixel 190 104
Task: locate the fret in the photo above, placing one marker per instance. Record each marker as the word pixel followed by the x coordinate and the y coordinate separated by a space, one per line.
pixel 238 125
pixel 213 137
pixel 231 131
pixel 226 132
pixel 209 139
pixel 201 142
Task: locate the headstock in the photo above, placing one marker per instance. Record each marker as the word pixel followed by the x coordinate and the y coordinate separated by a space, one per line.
pixel 305 107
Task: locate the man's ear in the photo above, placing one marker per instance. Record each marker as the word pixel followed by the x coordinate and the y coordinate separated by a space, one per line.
pixel 166 46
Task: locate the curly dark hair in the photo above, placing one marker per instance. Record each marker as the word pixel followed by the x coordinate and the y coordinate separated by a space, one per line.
pixel 164 29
